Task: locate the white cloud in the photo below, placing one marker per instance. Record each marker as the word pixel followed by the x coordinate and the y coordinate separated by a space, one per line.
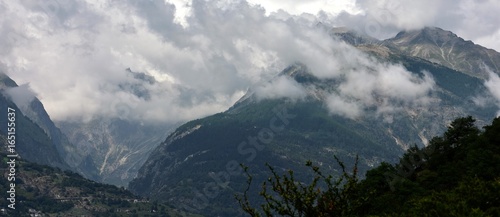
pixel 205 66
pixel 470 19
pixel 298 7
pixel 490 40
pixel 493 86
pixel 281 87
pixel 343 107
pixel 204 54
pixel 386 87
pixel 21 95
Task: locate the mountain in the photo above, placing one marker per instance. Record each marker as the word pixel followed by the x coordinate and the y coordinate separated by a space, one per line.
pixel 447 49
pixel 197 166
pixel 205 154
pixel 455 175
pixel 35 132
pixel 113 150
pixel 352 37
pixel 54 189
pixel 109 150
pixel 47 191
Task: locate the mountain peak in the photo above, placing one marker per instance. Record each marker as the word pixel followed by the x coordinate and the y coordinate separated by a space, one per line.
pixel 6 81
pixel 432 35
pixel 299 72
pixel 352 37
pixel 446 48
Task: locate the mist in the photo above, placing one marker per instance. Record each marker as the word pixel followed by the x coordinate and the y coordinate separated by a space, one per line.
pixel 203 55
pixel 493 86
pixel 21 95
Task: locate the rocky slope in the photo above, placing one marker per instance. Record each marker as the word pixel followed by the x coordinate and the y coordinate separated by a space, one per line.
pixel 109 150
pixel 447 49
pixel 113 150
pixel 35 132
pixel 197 169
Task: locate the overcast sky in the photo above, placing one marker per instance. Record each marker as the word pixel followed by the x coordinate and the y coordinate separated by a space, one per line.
pixel 205 54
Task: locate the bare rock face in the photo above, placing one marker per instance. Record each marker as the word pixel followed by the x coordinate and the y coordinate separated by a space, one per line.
pixel 113 150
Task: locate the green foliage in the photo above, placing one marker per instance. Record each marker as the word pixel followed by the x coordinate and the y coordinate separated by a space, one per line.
pixel 457 174
pixel 324 196
pixel 312 133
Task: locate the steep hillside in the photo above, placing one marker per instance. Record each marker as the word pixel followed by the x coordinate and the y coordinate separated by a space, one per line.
pixel 457 174
pixel 31 138
pixel 113 150
pixel 45 191
pixel 196 168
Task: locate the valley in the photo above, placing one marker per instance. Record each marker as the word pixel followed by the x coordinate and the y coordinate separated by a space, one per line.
pixel 131 110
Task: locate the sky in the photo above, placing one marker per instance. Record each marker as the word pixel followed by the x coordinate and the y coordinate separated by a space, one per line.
pixel 204 55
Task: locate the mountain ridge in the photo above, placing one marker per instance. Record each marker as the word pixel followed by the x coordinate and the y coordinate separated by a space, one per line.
pixel 34 136
pixel 255 130
pixel 448 49
pixel 208 143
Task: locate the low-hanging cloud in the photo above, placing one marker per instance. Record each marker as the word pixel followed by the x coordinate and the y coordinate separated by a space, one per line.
pixel 387 88
pixel 201 68
pixel 493 86
pixel 202 63
pixel 281 87
pixel 470 19
pixel 21 95
pixel 343 106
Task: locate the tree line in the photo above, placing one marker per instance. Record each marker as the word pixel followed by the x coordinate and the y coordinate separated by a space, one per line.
pixel 457 174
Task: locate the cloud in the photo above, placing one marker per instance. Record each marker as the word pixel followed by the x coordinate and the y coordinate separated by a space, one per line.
pixel 203 54
pixel 281 87
pixel 299 7
pixel 79 70
pixel 21 95
pixel 202 68
pixel 387 88
pixel 383 19
pixel 493 86
pixel 341 106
